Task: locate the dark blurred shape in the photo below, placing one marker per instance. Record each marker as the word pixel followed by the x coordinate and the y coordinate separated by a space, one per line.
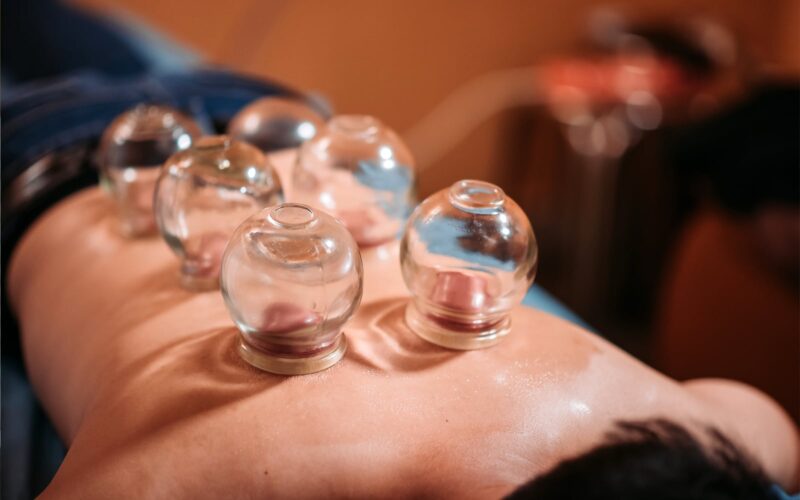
pixel 749 154
pixel 730 304
pixel 680 44
pixel 669 44
pixel 44 39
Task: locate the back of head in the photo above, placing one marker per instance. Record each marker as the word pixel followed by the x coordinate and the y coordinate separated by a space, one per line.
pixel 653 460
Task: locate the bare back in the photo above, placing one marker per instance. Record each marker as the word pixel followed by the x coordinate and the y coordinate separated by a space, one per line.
pixel 142 380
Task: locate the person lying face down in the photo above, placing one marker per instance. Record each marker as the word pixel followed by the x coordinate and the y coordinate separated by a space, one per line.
pixel 142 381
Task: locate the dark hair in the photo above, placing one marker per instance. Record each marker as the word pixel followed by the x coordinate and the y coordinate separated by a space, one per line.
pixel 653 460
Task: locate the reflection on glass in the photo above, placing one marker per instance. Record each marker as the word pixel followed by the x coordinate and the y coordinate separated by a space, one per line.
pixel 291 277
pixel 361 172
pixel 468 257
pixel 273 123
pixel 132 150
pixel 203 194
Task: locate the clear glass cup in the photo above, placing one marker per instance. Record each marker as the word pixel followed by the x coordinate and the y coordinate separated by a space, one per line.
pixel 203 194
pixel 274 123
pixel 362 173
pixel 291 278
pixel 132 149
pixel 468 257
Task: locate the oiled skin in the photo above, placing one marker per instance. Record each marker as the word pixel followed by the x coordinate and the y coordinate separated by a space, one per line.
pixel 142 380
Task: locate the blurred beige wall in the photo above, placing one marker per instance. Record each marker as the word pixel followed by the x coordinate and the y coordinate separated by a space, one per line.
pixel 397 59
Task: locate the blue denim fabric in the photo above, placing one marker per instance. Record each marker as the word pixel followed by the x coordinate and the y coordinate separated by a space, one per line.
pixel 43 117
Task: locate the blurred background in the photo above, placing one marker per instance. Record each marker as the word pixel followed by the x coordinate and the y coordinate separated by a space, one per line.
pixel 654 145
pixel 398 60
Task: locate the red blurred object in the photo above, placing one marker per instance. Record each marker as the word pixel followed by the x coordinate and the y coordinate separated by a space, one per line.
pixel 612 79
